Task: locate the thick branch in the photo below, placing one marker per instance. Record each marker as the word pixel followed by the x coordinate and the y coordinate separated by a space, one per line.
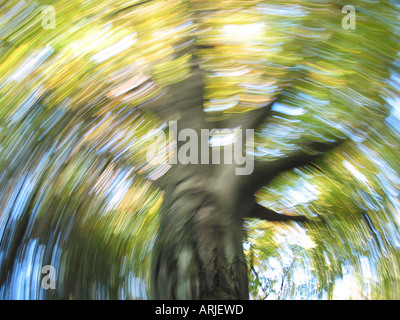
pixel 265 171
pixel 264 213
pixel 127 8
pixel 248 120
pixel 182 101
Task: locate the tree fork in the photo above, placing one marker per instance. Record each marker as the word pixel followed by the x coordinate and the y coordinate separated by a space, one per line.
pixel 198 252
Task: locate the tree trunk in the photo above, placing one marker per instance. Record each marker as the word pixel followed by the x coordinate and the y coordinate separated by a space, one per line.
pixel 198 252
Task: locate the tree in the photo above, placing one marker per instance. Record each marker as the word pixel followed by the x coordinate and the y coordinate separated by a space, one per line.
pixel 90 90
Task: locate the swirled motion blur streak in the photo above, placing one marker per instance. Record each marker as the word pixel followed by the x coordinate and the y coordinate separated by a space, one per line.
pixel 83 84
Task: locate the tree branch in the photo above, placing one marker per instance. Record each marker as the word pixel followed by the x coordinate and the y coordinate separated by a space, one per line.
pixel 263 213
pixel 181 101
pixel 265 171
pixel 248 120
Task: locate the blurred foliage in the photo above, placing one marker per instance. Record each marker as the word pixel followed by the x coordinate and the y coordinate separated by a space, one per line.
pixel 75 186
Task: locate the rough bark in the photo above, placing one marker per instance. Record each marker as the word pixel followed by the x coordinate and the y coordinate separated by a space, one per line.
pixel 198 251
